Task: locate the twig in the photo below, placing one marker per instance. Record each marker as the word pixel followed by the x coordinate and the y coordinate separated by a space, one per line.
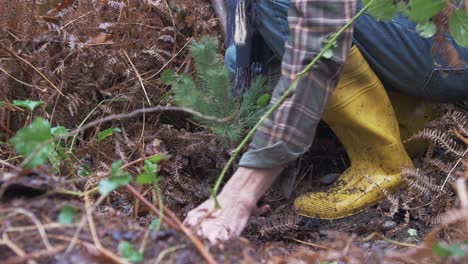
pixel 309 243
pixel 32 66
pixel 106 253
pixel 460 136
pixel 34 255
pixel 380 236
pixel 462 192
pixel 453 169
pixel 15 248
pixel 22 229
pixel 285 95
pixel 75 135
pixel 178 225
pixel 9 165
pixel 169 61
pixel 73 21
pixel 23 83
pixel 92 227
pixel 7 130
pixel 138 76
pixel 149 110
pixel 167 251
pixel 35 220
pixel 83 223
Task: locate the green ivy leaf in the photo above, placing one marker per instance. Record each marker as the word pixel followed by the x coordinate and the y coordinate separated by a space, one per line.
pixel 129 253
pixel 458 26
pixel 84 171
pixel 402 8
pixel 1 104
pixel 67 214
pixel 32 141
pixel 263 100
pixel 412 232
pixel 144 179
pixel 107 133
pixel 427 29
pixel 169 77
pixel 158 158
pixel 31 105
pixel 328 54
pixel 154 223
pixel 149 174
pixel 382 9
pixel 423 10
pixel 444 251
pixel 117 178
pixel 58 131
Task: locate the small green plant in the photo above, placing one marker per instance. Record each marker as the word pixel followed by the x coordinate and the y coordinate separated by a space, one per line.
pixel 413 233
pixel 150 177
pixel 36 143
pixel 28 104
pixel 210 93
pixel 107 133
pixel 128 252
pixel 117 178
pixel 446 250
pixel 67 215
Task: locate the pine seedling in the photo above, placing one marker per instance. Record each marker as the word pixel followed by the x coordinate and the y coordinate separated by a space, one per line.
pixel 210 93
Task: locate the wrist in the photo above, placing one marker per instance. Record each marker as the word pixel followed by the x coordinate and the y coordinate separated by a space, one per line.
pixel 248 185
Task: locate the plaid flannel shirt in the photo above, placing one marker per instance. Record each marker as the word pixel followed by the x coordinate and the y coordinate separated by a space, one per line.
pixel 290 131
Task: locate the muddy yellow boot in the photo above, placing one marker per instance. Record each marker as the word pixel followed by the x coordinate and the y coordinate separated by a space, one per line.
pixel 362 117
pixel 412 114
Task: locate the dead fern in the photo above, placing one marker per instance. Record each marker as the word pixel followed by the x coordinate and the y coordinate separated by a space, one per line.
pixel 277 225
pixel 443 139
pixel 420 182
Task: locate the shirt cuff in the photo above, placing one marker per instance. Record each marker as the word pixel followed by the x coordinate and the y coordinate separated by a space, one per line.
pixel 272 156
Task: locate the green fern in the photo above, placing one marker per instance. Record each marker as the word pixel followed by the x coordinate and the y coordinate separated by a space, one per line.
pixel 210 93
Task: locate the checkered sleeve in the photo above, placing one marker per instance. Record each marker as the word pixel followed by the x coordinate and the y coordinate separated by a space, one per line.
pixel 290 131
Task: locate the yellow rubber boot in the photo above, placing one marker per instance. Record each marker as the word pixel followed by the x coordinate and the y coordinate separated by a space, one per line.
pixel 362 117
pixel 412 114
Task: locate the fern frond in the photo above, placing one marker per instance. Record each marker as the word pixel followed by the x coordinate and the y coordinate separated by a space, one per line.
pixel 420 182
pixel 269 226
pixel 442 139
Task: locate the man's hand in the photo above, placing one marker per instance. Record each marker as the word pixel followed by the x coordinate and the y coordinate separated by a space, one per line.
pixel 238 201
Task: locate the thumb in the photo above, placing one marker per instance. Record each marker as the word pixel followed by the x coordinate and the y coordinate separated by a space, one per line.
pixel 258 211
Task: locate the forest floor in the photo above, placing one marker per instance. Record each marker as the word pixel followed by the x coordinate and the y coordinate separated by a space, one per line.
pixel 86 60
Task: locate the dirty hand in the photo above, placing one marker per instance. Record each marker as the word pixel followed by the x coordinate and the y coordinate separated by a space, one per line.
pixel 238 201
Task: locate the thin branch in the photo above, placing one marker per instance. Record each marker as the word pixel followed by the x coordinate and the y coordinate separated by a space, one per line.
pixel 169 61
pixel 35 255
pixel 168 251
pixel 90 246
pixel 138 112
pixel 138 76
pixel 453 169
pixel 35 220
pixel 36 69
pixel 92 227
pixel 15 248
pixel 178 225
pixel 23 83
pixel 9 165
